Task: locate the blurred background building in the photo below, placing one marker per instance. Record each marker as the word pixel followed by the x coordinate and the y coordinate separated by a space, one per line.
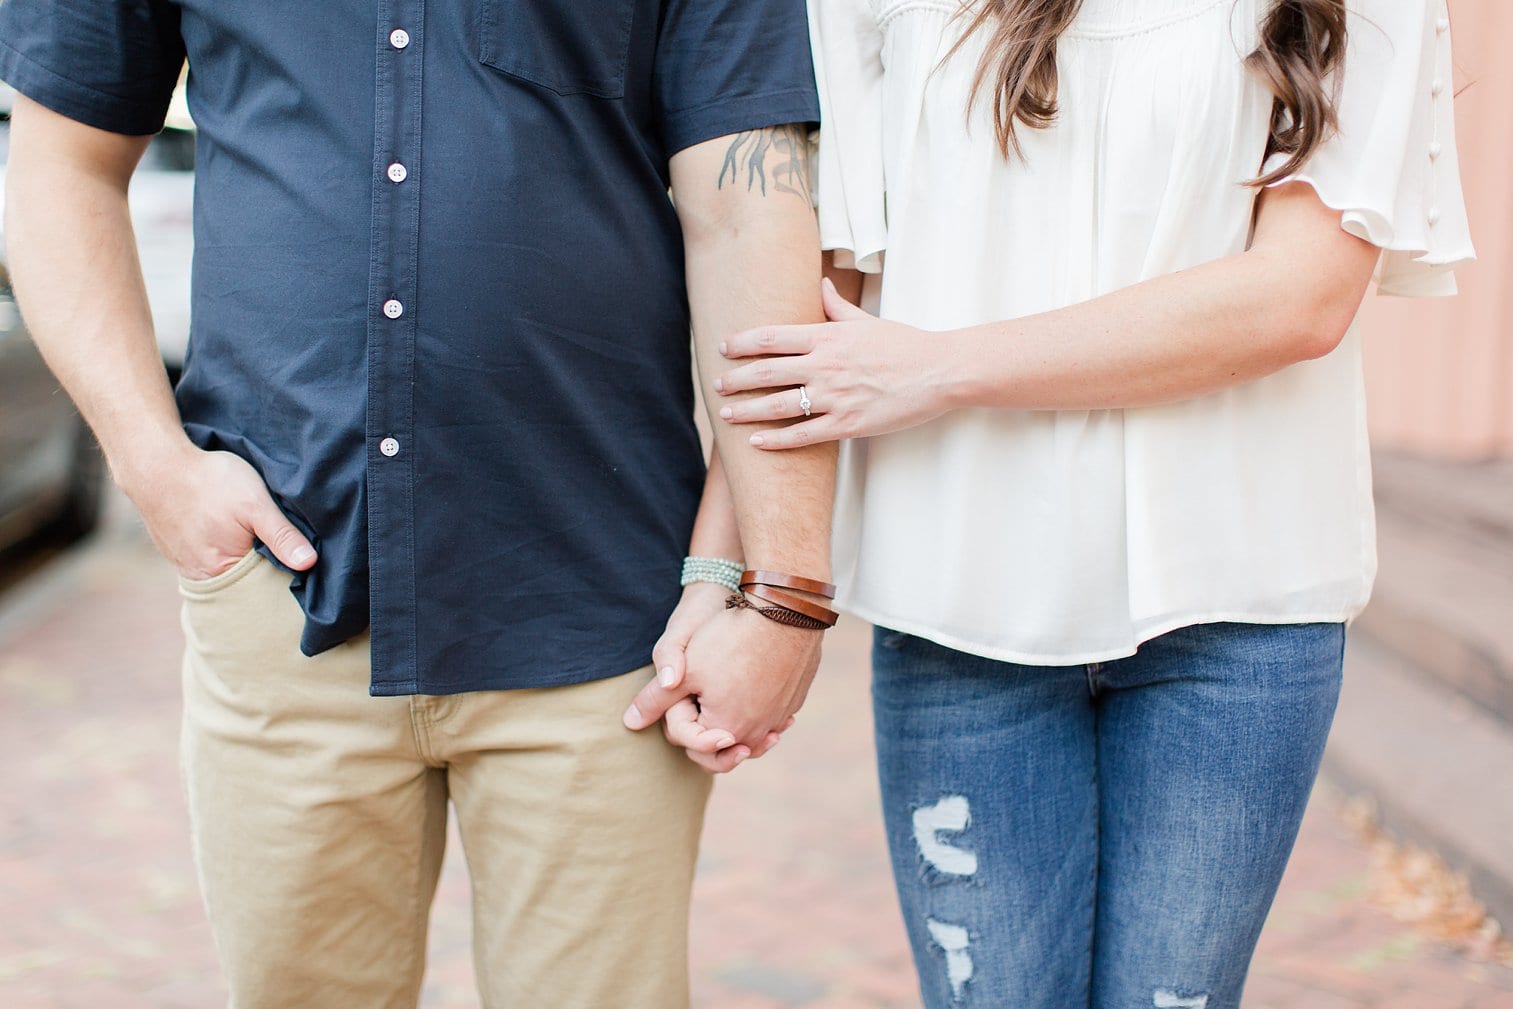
pixel 1440 373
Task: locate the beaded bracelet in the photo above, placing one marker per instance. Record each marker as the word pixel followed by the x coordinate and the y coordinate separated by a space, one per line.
pixel 715 570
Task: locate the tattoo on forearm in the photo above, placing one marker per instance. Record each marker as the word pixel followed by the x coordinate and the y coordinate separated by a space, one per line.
pixel 781 152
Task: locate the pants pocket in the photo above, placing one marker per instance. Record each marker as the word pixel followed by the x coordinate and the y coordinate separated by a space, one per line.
pixel 567 46
pixel 199 588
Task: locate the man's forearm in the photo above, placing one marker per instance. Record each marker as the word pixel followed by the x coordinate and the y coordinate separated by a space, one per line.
pixel 74 260
pixel 75 268
pixel 753 259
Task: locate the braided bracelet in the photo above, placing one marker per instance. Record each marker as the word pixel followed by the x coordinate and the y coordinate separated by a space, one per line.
pixel 781 614
pixel 715 570
pixel 822 615
pixel 769 586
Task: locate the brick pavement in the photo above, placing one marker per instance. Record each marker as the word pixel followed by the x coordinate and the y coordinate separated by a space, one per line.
pixel 98 906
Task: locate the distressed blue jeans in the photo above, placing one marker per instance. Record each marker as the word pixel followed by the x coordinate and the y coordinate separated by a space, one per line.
pixel 1103 836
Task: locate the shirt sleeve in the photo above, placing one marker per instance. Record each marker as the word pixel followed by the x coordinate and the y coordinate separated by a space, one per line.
pixel 848 68
pixel 110 64
pixel 1392 169
pixel 724 66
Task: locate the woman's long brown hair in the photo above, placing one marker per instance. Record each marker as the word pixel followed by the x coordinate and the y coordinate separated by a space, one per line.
pixel 1302 47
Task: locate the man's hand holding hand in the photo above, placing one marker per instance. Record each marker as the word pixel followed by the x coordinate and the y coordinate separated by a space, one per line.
pixel 736 681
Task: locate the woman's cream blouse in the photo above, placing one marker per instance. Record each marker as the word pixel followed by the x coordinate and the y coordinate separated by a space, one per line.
pixel 1061 537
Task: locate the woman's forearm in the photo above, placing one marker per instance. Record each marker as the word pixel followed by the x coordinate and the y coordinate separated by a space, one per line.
pixel 716 533
pixel 847 282
pixel 1289 299
pixel 1169 339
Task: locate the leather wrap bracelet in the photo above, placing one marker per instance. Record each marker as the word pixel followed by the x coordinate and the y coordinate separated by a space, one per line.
pixel 814 611
pixel 778 613
pixel 777 580
pixel 783 607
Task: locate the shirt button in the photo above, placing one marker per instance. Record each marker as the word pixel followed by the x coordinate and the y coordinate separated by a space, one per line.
pixel 398 172
pixel 1437 88
pixel 1433 216
pixel 399 38
pixel 389 447
pixel 393 309
pixel 1435 150
pixel 1442 25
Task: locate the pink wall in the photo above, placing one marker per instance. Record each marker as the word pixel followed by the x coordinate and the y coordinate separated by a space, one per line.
pixel 1440 371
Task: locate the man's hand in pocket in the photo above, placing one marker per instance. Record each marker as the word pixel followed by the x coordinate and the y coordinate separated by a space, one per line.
pixel 205 509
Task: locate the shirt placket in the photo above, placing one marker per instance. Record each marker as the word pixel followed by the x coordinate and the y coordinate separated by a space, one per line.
pixel 393 314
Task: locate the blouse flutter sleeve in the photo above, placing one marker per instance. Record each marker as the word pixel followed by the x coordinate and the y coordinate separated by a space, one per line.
pixel 849 188
pixel 1392 169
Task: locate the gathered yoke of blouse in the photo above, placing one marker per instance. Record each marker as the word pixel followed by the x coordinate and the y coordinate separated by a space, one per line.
pixel 1060 537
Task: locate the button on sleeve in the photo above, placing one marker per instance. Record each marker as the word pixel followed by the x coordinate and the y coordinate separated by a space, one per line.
pixel 1392 169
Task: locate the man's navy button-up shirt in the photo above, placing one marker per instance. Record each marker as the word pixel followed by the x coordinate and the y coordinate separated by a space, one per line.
pixel 439 300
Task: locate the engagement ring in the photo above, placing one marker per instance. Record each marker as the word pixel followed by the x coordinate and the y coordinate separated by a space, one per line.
pixel 804 403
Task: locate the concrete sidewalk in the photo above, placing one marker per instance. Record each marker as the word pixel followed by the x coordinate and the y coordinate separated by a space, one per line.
pixel 794 903
pixel 1426 727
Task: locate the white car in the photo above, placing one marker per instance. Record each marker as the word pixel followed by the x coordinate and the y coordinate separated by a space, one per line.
pixel 162 212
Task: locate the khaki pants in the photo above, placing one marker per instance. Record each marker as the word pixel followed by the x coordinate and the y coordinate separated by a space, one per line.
pixel 319 818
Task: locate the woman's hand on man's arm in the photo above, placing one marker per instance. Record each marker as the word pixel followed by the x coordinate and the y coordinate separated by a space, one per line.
pixel 1289 298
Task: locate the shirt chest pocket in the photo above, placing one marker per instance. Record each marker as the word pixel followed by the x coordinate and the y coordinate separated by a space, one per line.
pixel 572 47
